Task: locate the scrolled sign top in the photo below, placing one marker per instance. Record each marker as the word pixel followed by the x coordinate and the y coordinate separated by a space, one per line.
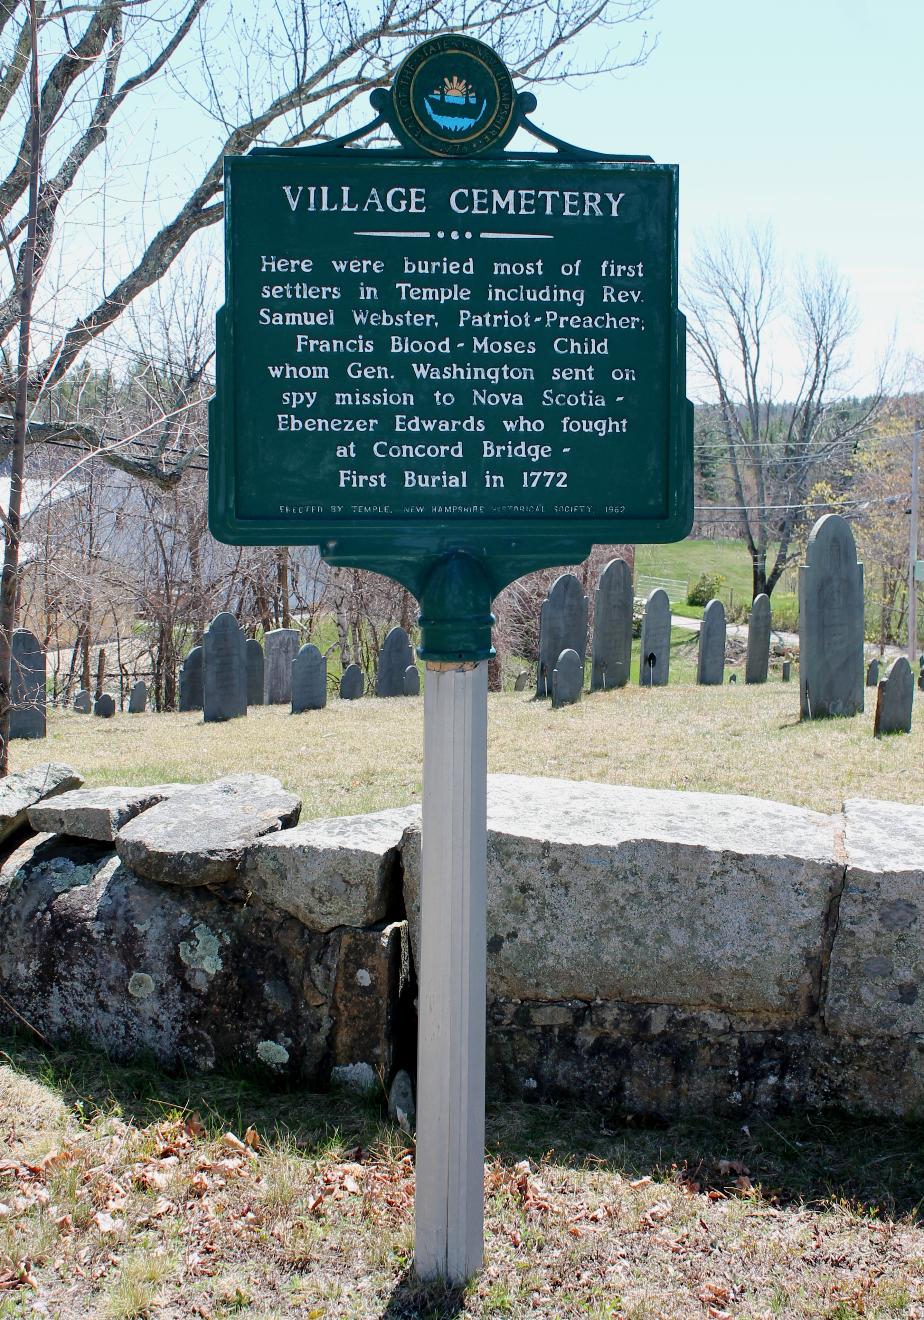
pixel 453 96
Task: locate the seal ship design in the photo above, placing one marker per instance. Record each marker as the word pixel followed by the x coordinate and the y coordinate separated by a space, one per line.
pixel 454 106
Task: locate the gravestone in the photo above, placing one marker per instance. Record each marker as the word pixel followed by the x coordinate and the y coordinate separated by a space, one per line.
pixel 612 642
pixel 224 670
pixel 758 657
pixel 733 678
pixel 281 649
pixel 138 698
pixel 562 627
pixel 27 687
pixel 522 681
pixel 412 681
pixel 655 654
pixel 104 706
pixel 872 674
pixel 309 680
pixel 567 679
pixel 710 664
pixel 787 670
pixel 394 658
pixel 352 683
pixel 254 653
pixel 831 622
pixel 191 680
pixel 895 700
pixel 83 702
pixel 921 673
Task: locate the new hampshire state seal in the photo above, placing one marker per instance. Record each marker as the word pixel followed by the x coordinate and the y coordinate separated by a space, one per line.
pixel 453 96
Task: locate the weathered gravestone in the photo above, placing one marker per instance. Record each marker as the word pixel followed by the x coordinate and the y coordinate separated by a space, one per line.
pixel 352 683
pixel 104 706
pixel 521 683
pixel 281 649
pixel 567 679
pixel 921 673
pixel 787 670
pixel 224 670
pixel 758 658
pixel 254 654
pixel 710 664
pixel 27 713
pixel 872 674
pixel 83 702
pixel 562 627
pixel 831 622
pixel 309 680
pixel 895 700
pixel 191 680
pixel 612 643
pixel 655 654
pixel 138 698
pixel 412 681
pixel 394 658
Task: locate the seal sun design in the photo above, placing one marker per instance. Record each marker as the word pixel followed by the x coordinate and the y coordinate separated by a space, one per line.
pixel 454 106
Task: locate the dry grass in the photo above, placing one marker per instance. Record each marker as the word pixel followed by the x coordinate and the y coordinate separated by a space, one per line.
pixel 362 756
pixel 135 1209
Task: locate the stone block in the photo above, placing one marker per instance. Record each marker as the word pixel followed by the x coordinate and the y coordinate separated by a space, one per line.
pixel 96 813
pixel 25 788
pixel 895 700
pixel 371 988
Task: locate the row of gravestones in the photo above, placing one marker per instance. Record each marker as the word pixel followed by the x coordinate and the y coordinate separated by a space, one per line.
pixel 28 690
pixel 229 672
pixel 563 638
pixel 105 706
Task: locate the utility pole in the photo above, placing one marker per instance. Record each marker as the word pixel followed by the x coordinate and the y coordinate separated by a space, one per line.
pixel 913 544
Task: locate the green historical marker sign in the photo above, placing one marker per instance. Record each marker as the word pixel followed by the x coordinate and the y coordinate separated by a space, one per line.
pixel 452 354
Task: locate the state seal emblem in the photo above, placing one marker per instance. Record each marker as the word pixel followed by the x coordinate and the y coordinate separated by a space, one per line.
pixel 453 96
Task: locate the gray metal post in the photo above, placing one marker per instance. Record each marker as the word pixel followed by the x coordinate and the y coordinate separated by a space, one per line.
pixel 913 545
pixel 449 1210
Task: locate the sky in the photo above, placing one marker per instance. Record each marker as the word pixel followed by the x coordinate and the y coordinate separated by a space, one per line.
pixel 805 114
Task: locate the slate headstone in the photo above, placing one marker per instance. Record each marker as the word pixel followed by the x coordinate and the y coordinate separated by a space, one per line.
pixel 787 670
pixel 921 673
pixel 104 706
pixel 309 680
pixel 412 681
pixel 872 673
pixel 895 700
pixel 83 702
pixel 831 622
pixel 224 670
pixel 562 627
pixel 521 683
pixel 757 663
pixel 281 648
pixel 254 653
pixel 352 683
pixel 612 642
pixel 394 658
pixel 27 712
pixel 567 679
pixel 191 680
pixel 138 698
pixel 710 664
pixel 655 654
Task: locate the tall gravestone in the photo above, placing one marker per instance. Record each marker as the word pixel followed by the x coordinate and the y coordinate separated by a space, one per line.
pixel 395 657
pixel 309 680
pixel 27 713
pixel 224 670
pixel 655 654
pixel 138 698
pixel 757 664
pixel 281 648
pixel 895 700
pixel 352 683
pixel 191 680
pixel 831 622
pixel 567 679
pixel 710 662
pixel 254 654
pixel 562 627
pixel 612 641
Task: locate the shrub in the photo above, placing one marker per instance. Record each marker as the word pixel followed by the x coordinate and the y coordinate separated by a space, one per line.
pixel 705 589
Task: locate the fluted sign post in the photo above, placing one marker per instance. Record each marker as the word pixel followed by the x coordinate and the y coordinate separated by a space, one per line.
pixel 451 363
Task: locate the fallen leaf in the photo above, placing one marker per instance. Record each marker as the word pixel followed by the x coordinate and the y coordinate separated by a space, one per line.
pixel 252 1138
pixel 640 1182
pixel 234 1142
pixel 105 1222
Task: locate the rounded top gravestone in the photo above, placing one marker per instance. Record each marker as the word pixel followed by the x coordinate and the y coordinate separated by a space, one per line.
pixel 395 658
pixel 224 670
pixel 309 680
pixel 831 615
pixel 562 627
pixel 655 652
pixel 352 683
pixel 612 643
pixel 758 657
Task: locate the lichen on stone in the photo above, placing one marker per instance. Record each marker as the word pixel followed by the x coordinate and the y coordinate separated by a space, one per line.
pixel 272 1054
pixel 140 985
pixel 204 955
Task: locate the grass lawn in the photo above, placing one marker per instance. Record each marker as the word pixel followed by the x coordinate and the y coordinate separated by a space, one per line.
pixel 686 560
pixel 128 1196
pixel 362 756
